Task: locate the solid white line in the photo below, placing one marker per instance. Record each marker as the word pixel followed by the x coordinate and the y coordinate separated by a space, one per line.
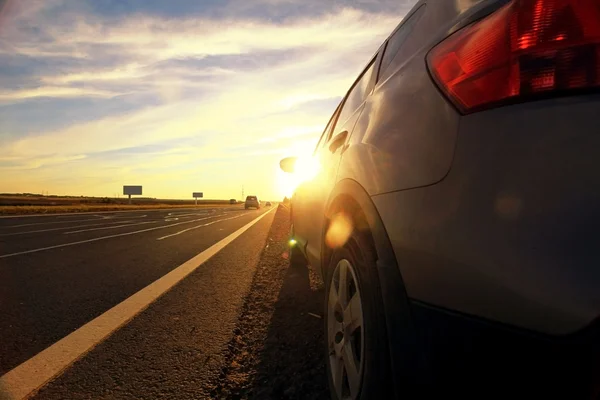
pixel 31 375
pixel 110 227
pixel 199 226
pixel 101 238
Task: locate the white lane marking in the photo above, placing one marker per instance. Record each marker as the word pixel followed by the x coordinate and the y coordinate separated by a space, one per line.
pixel 101 238
pixel 187 215
pixel 63 228
pixel 199 226
pixel 100 218
pixel 121 216
pixel 34 373
pixel 54 222
pixel 109 227
pixel 103 212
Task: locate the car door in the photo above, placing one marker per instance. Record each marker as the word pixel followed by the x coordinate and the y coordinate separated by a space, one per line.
pixel 304 192
pixel 329 154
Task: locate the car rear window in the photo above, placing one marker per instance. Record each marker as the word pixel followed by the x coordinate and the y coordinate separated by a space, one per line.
pixel 251 198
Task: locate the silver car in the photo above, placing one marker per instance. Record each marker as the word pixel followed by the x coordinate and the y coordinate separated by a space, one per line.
pixel 455 218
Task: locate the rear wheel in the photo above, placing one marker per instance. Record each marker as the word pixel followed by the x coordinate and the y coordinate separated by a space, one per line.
pixel 357 353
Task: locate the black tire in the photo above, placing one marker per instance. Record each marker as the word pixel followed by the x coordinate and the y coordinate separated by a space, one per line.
pixel 375 375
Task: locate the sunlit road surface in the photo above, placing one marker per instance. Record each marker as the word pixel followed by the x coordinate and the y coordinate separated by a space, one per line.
pixel 59 273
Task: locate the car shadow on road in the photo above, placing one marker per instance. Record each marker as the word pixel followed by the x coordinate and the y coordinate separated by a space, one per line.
pixel 292 362
pixel 277 350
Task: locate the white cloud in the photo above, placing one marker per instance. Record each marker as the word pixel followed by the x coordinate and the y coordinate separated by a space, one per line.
pixel 53 91
pixel 253 108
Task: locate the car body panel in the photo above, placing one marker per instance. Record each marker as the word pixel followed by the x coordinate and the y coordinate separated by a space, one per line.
pixel 311 197
pixel 512 233
pixel 406 135
pixel 309 204
pixel 318 193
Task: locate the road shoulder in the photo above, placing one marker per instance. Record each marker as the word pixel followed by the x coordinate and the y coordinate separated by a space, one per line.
pixel 277 350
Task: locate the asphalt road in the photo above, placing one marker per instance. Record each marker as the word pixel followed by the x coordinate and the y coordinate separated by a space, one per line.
pixel 57 273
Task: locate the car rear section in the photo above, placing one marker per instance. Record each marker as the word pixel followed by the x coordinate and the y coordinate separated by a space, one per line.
pixel 252 202
pixel 482 156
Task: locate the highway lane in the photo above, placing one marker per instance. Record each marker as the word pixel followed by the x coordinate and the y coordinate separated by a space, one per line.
pixel 59 272
pixel 33 233
pixel 176 347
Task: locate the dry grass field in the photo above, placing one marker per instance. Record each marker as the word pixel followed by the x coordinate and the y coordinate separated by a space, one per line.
pixel 38 204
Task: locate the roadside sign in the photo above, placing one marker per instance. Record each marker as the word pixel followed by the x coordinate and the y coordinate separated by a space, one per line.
pixel 197 195
pixel 132 190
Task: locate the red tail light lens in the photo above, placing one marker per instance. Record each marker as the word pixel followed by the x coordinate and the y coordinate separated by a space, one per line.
pixel 526 49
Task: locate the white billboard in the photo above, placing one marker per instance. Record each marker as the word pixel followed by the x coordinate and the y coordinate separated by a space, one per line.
pixel 132 190
pixel 197 195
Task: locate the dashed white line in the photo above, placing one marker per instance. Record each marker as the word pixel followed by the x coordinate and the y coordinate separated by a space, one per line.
pixel 199 226
pixel 187 215
pixel 58 246
pixel 122 216
pixel 54 222
pixel 31 375
pixel 109 227
pixel 99 218
pixel 62 228
pixel 75 214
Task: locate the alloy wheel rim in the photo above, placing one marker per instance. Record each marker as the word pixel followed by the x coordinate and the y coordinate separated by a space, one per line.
pixel 345 337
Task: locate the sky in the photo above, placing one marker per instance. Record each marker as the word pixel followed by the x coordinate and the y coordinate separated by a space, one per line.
pixel 177 96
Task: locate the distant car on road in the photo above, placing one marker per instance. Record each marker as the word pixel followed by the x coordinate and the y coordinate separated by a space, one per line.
pixel 232 201
pixel 268 204
pixel 454 216
pixel 252 202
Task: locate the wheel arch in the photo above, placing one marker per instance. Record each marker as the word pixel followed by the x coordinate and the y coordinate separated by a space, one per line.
pixel 350 197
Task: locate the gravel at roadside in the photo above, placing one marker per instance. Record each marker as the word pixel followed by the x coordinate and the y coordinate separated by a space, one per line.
pixel 276 351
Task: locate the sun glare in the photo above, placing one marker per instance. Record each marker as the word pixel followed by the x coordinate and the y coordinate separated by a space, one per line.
pixel 306 169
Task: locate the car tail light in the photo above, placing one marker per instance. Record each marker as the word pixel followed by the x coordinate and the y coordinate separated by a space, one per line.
pixel 524 50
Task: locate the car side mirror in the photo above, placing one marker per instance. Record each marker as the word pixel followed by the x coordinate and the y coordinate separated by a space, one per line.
pixel 288 164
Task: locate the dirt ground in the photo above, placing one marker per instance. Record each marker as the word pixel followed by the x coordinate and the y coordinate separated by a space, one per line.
pixel 277 349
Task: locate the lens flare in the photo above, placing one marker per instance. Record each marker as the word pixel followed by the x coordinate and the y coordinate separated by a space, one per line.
pixel 339 231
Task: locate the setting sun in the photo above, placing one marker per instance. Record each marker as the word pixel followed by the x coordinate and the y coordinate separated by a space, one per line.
pixel 306 168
